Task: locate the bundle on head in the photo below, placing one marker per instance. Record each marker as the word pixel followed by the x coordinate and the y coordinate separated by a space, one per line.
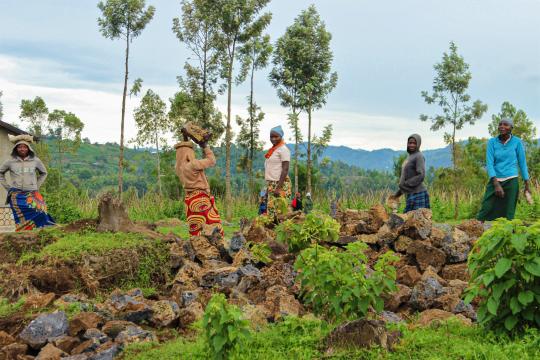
pixel 24 137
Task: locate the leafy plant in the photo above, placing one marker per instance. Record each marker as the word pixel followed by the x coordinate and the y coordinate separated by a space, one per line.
pixel 261 252
pixel 339 284
pixel 223 326
pixel 505 274
pixel 316 228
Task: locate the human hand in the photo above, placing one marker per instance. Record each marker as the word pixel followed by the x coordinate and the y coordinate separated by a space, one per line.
pixel 185 134
pixel 499 192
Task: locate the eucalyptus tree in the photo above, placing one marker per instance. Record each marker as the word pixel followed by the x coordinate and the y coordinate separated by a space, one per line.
pixel 238 22
pixel 123 19
pixel 65 128
pixel 449 92
pixel 254 55
pixel 35 112
pixel 152 122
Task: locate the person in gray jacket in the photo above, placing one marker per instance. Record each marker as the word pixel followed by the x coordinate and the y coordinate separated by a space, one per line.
pixel 413 172
pixel 27 174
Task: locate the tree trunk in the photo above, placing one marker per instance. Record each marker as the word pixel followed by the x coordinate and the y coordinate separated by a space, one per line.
pixel 158 166
pixel 308 170
pixel 204 71
pixel 251 135
pixel 121 159
pixel 296 140
pixel 456 180
pixel 228 195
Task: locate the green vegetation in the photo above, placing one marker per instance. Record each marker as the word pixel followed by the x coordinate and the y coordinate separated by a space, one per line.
pixel 505 273
pixel 182 231
pixel 336 283
pixel 302 339
pixel 7 308
pixel 223 327
pixel 261 252
pixel 316 228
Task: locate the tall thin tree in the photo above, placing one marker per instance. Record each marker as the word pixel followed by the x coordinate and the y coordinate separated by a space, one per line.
pixel 66 128
pixel 452 78
pixel 123 19
pixel 238 22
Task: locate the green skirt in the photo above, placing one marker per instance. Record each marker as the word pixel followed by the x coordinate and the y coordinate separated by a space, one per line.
pixel 494 207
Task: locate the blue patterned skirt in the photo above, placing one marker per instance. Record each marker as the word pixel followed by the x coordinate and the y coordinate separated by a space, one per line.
pixel 29 210
pixel 417 201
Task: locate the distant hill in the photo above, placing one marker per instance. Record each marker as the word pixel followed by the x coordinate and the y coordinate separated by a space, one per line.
pixel 381 159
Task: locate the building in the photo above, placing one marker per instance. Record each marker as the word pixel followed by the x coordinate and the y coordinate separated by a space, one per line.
pixel 6 217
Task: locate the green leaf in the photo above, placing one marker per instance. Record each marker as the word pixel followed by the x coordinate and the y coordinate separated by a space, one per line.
pixel 218 341
pixel 469 297
pixel 498 289
pixel 488 278
pixel 502 266
pixel 514 305
pixel 533 267
pixel 519 242
pixel 510 322
pixel 492 305
pixel 526 297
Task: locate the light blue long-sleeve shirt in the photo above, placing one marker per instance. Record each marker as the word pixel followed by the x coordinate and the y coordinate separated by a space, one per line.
pixel 503 160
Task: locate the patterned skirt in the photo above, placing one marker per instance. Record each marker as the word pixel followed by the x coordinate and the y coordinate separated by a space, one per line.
pixel 201 210
pixel 278 204
pixel 417 201
pixel 29 210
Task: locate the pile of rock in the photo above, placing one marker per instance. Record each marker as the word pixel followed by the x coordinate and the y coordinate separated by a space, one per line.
pixel 432 270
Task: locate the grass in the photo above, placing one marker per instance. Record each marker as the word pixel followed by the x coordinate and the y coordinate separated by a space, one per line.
pixel 74 246
pixel 7 308
pixel 303 339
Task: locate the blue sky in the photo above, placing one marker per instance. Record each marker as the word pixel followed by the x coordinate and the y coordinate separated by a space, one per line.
pixel 384 52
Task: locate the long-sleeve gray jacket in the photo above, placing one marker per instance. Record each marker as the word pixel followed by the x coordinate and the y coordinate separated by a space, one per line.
pixel 413 171
pixel 27 175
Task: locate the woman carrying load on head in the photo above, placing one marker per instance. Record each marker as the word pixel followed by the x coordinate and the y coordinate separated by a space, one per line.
pixel 201 207
pixel 413 172
pixel 276 173
pixel 505 154
pixel 27 174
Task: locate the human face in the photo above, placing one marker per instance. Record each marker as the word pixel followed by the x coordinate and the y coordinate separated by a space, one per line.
pixel 411 145
pixel 505 128
pixel 275 138
pixel 22 150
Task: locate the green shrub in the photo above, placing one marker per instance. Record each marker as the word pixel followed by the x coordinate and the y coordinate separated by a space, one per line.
pixel 338 284
pixel 316 228
pixel 505 273
pixel 261 252
pixel 223 326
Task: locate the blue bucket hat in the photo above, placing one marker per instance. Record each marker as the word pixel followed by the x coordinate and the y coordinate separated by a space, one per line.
pixel 278 130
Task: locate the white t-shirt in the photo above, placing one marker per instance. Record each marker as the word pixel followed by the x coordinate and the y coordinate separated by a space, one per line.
pixel 273 166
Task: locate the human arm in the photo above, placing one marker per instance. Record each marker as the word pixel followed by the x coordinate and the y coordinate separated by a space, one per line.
pixel 490 167
pixel 420 169
pixel 283 176
pixel 3 169
pixel 522 162
pixel 42 173
pixel 208 161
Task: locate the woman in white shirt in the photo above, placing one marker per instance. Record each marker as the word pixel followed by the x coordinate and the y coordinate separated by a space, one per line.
pixel 276 174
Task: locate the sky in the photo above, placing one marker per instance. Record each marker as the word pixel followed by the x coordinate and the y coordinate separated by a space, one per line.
pixel 384 52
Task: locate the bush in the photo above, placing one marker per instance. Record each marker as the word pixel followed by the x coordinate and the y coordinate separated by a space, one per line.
pixel 505 274
pixel 339 284
pixel 223 326
pixel 316 228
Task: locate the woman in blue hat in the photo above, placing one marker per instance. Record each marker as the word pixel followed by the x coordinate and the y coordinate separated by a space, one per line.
pixel 505 156
pixel 276 173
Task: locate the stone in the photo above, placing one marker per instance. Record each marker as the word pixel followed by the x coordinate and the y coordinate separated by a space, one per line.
pixel 349 229
pixel 106 352
pixel 408 275
pixel 390 317
pixel 69 299
pixel 360 333
pixel 397 298
pixel 386 235
pixel 473 228
pixel 95 334
pixel 191 314
pixel 5 339
pixel 50 352
pixel 258 233
pixel 458 286
pixel 115 327
pixel 430 316
pixel 84 321
pixel 396 221
pixel 43 328
pixel 346 239
pixel 237 242
pixel 203 249
pixel 86 347
pixel 178 254
pixel 425 292
pixel 378 215
pixel 66 343
pixel 249 270
pixel 129 307
pixel 188 275
pixel 134 334
pixel 370 239
pixel 226 277
pixel 76 357
pixel 280 303
pixel 38 301
pixel 164 313
pixel 427 255
pixel 418 224
pixel 402 243
pixel 189 297
pixel 242 257
pixel 13 351
pixel 455 272
pixel 456 245
pixel 437 237
pixel 256 316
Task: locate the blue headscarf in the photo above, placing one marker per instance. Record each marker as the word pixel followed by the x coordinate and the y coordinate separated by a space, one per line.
pixel 278 130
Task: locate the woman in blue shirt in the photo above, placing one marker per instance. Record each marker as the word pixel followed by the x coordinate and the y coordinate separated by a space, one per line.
pixel 505 155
